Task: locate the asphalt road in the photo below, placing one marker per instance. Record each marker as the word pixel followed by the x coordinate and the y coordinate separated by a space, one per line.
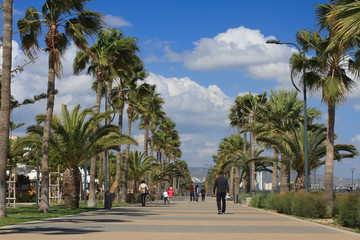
pixel 180 220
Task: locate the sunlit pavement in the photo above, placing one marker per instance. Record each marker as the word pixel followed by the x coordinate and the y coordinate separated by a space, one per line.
pixel 180 220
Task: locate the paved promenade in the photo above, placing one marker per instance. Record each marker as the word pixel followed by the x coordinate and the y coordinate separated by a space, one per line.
pixel 181 220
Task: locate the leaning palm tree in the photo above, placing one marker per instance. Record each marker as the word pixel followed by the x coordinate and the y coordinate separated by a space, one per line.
pixel 110 55
pixel 76 137
pixel 5 99
pixel 77 23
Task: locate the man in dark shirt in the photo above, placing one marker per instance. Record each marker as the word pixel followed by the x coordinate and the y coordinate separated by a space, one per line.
pixel 221 184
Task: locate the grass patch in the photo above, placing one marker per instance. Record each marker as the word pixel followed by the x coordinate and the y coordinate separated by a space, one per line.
pixel 29 213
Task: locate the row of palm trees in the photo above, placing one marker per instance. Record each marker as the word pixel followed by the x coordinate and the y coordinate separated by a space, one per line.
pixel 114 63
pixel 275 123
pixel 335 50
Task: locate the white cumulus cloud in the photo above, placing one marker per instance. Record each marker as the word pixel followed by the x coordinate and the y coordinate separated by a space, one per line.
pixel 116 21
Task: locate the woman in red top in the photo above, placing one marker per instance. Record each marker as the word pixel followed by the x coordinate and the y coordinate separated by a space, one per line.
pixel 171 194
pixel 191 190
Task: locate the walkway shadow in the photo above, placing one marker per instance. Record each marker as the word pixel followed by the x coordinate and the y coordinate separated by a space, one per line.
pixel 48 231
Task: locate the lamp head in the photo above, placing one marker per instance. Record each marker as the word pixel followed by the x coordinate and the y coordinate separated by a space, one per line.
pixel 273 41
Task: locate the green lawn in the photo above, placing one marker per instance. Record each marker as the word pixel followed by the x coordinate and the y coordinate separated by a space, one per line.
pixel 30 213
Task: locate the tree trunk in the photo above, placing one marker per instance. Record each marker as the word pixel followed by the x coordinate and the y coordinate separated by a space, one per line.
pixel 246 184
pixel 44 204
pixel 5 99
pixel 253 162
pixel 329 162
pixel 118 157
pixel 91 202
pixel 106 152
pixel 71 187
pixel 231 180
pixel 127 153
pixel 146 136
pixel 237 181
pixel 274 174
pixel 284 175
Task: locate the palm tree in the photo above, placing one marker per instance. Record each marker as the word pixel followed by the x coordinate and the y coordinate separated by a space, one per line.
pixel 292 146
pixel 342 16
pixel 110 56
pixel 325 72
pixel 280 115
pixel 5 99
pixel 78 23
pixel 138 166
pixel 227 148
pixel 254 110
pixel 76 137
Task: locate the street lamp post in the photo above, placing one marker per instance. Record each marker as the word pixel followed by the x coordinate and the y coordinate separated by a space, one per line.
pixel 275 41
pixel 352 176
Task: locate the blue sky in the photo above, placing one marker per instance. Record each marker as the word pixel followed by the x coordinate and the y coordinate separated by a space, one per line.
pixel 201 54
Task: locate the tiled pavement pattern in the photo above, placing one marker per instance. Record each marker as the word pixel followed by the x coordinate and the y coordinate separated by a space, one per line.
pixel 181 220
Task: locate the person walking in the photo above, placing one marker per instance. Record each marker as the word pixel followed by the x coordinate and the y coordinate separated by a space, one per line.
pixel 203 191
pixel 196 192
pixel 191 190
pixel 171 194
pixel 144 190
pixel 222 188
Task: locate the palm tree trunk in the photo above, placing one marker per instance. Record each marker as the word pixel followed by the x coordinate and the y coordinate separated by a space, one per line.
pixel 108 107
pixel 246 184
pixel 253 137
pixel 44 204
pixel 118 158
pixel 329 162
pixel 237 181
pixel 146 137
pixel 284 175
pixel 91 202
pixel 127 153
pixel 231 180
pixel 5 99
pixel 71 187
pixel 274 174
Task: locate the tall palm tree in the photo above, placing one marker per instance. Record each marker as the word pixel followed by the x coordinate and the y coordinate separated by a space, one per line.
pixel 77 23
pixel 280 115
pixel 110 56
pixel 76 137
pixel 254 110
pixel 227 148
pixel 5 99
pixel 326 73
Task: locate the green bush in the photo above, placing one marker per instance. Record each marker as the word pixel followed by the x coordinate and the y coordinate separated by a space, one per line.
pixel 130 198
pixel 257 200
pixel 347 210
pixel 310 205
pixel 268 201
pixel 282 202
pixel 25 197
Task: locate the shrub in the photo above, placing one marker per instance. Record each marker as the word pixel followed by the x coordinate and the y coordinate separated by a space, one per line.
pixel 282 202
pixel 310 205
pixel 25 197
pixel 268 201
pixel 347 209
pixel 130 198
pixel 257 200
